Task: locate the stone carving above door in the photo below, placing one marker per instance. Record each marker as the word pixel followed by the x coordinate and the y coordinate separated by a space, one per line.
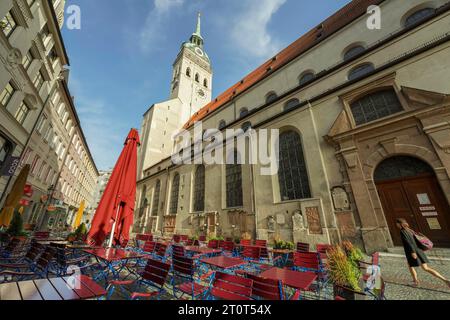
pixel 418 98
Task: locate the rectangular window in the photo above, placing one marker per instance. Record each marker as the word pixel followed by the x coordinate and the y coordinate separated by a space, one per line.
pixel 39 81
pixel 42 170
pixel 27 59
pixel 41 124
pixel 34 165
pixel 26 156
pixel 22 113
pixel 48 134
pixel 6 149
pixel 6 94
pixel 8 24
pixel 44 33
pixel 47 175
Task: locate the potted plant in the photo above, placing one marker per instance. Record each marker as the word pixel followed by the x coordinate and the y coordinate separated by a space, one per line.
pixel 344 274
pixel 79 234
pixel 15 229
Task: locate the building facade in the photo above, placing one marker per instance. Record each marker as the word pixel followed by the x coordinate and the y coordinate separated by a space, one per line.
pixel 39 123
pixel 364 136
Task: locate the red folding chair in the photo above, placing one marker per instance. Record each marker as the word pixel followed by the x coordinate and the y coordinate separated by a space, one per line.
pixel 202 238
pixel 246 242
pixel 252 254
pixel 183 278
pixel 160 251
pixel 302 247
pixel 213 244
pixel 189 242
pixel 230 287
pixel 176 238
pixel 310 262
pixel 227 248
pixel 184 238
pixel 261 243
pixel 322 250
pixel 266 289
pixel 154 276
pixel 178 250
pixel 149 247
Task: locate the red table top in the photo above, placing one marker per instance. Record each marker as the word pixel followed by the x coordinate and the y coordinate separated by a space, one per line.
pixel 224 262
pixel 67 288
pixel 202 250
pixel 290 278
pixel 112 254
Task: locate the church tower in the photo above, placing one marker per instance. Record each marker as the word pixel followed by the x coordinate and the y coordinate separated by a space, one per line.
pixel 190 90
pixel 192 75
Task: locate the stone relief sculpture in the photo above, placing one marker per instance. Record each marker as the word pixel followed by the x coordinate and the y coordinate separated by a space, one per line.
pixel 297 221
pixel 271 224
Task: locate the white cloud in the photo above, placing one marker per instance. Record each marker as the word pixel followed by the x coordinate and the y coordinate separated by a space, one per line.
pixel 151 31
pixel 250 28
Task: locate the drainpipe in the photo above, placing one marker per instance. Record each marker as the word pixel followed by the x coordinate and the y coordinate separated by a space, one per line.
pixel 252 191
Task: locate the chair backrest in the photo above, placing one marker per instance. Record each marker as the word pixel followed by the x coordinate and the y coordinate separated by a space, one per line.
pixel 196 243
pixel 323 248
pixel 183 266
pixel 12 244
pixel 184 237
pixel 149 246
pixel 156 272
pixel 35 250
pixel 221 243
pixel 246 242
pixel 252 252
pixel 189 242
pixel 160 249
pixel 213 244
pixel 261 243
pixel 302 247
pixel 307 260
pixel 42 234
pixel 45 258
pixel 267 289
pixel 227 246
pixel 376 259
pixel 202 238
pixel 264 253
pixel 176 238
pixel 231 287
pixel 178 250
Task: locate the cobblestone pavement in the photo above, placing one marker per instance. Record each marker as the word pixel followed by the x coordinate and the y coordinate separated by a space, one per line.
pixel 398 280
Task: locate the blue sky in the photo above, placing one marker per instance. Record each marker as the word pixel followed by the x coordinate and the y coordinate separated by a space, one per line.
pixel 121 58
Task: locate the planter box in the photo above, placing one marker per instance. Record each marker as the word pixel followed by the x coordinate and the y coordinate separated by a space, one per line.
pixel 348 294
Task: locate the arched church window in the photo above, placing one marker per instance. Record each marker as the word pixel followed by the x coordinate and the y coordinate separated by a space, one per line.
pixel 360 71
pixel 305 77
pixel 156 198
pixel 174 196
pixel 375 106
pixel 222 124
pixel 417 16
pixel 197 77
pixel 399 167
pixel 292 174
pixel 243 112
pixel 291 104
pixel 272 96
pixel 234 182
pixel 199 189
pixel 353 51
pixel 188 72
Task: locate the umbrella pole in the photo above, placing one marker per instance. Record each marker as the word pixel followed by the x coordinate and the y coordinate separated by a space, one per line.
pixel 111 237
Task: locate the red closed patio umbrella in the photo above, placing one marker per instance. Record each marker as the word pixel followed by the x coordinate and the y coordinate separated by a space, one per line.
pixel 114 214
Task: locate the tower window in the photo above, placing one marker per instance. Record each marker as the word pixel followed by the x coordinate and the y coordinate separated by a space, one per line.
pixel 306 77
pixel 243 112
pixel 197 77
pixel 188 72
pixel 353 52
pixel 205 83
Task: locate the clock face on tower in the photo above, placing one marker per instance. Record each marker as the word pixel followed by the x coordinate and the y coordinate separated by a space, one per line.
pixel 199 52
pixel 201 93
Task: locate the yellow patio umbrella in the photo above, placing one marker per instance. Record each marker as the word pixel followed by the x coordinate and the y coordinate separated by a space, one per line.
pixel 14 196
pixel 79 215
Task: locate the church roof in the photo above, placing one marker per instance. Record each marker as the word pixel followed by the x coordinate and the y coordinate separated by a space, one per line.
pixel 331 25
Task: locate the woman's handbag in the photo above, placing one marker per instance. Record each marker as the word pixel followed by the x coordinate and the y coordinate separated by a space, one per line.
pixel 422 241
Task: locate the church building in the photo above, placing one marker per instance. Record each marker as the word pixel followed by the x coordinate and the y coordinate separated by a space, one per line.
pixel 364 120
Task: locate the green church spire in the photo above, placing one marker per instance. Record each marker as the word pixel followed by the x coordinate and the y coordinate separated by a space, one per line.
pixel 196 37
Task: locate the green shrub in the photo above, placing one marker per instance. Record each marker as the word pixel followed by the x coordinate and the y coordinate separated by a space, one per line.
pixel 342 270
pixel 283 245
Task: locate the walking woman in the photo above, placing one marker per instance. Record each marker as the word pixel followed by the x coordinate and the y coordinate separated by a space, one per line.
pixel 415 256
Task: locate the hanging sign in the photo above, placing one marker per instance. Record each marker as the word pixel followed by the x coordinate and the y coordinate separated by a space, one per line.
pixel 28 190
pixel 9 166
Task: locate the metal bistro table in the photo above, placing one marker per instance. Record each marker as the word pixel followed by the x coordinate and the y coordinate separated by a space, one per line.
pixel 115 260
pixel 294 279
pixel 79 287
pixel 224 263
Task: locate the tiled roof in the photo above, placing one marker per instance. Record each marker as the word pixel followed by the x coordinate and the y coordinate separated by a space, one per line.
pixel 334 23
